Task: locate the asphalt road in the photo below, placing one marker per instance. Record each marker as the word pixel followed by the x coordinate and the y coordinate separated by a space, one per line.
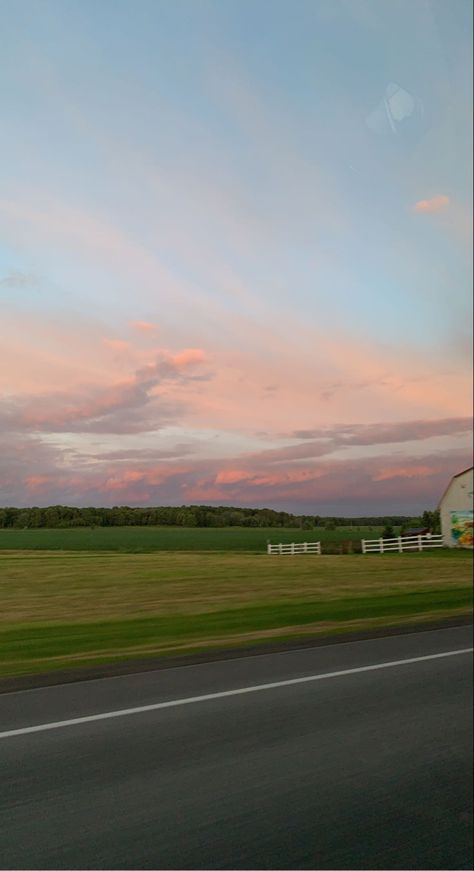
pixel 370 769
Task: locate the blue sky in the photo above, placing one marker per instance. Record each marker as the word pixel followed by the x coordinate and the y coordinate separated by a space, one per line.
pixel 282 187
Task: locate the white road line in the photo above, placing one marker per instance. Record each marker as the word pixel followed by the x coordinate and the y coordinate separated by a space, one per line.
pixel 175 703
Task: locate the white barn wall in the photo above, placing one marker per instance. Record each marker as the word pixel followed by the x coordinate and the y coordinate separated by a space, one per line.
pixel 456 504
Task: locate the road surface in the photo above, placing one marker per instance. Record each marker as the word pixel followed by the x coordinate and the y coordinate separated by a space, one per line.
pixel 369 768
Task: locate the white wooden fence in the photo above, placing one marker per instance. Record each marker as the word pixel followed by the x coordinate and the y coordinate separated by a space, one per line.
pixel 304 547
pixel 401 544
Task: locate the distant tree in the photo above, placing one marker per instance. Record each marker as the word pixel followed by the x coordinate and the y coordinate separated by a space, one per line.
pixel 294 523
pixel 186 517
pixel 432 520
pixel 200 514
pixel 249 520
pixel 216 519
pixel 388 532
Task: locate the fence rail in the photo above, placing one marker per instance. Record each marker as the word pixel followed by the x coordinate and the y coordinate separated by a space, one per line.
pixel 304 547
pixel 401 544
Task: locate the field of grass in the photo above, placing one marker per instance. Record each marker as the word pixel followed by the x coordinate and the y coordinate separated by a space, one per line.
pixel 64 609
pixel 147 539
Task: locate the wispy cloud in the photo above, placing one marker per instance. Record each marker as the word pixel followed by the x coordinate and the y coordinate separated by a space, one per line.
pixel 390 472
pixel 117 345
pixel 435 204
pixel 153 478
pixel 379 433
pixel 125 406
pixel 168 365
pixel 16 279
pixel 324 441
pixel 144 327
pixel 146 455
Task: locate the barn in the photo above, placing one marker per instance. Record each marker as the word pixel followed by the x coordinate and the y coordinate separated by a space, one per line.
pixel 456 511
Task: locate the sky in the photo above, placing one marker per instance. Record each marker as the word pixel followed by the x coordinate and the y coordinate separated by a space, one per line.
pixel 235 253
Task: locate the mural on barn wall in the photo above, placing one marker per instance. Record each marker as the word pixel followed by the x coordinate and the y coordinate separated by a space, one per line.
pixel 462 524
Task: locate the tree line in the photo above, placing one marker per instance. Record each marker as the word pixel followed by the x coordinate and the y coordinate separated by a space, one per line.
pixel 64 516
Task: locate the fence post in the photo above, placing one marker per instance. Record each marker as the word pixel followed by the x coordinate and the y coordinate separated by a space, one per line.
pixel 269 548
pixel 293 548
pixel 318 550
pixel 363 545
pixel 381 545
pixel 280 548
pixel 305 547
pixel 420 543
pixel 400 544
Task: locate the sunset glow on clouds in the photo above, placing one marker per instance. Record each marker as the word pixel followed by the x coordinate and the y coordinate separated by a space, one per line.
pixel 218 284
pixel 435 204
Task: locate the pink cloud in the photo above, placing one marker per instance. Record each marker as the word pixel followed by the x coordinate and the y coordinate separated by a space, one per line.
pixel 151 477
pixel 342 487
pixel 118 345
pixel 435 204
pixel 232 476
pixel 39 352
pixel 166 365
pixel 386 474
pixel 143 326
pixel 33 471
pixel 258 479
pixel 117 407
pixel 122 480
pixel 37 483
pixel 188 357
pixel 399 386
pixel 59 410
pixel 290 476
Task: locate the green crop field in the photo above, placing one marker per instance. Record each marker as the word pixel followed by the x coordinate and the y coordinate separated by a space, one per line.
pixel 64 610
pixel 146 539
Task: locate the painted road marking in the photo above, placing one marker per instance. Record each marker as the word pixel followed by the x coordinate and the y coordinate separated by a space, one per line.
pixel 191 700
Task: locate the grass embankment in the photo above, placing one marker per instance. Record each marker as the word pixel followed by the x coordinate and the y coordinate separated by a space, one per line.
pixel 147 539
pixel 62 610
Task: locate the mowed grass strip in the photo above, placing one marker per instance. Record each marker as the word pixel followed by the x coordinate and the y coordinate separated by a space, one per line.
pixel 41 647
pixel 72 609
pixel 147 539
pixel 77 587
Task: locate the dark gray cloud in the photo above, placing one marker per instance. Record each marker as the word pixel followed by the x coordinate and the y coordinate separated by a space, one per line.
pixel 148 454
pixel 122 409
pixel 379 433
pixel 23 457
pixel 323 441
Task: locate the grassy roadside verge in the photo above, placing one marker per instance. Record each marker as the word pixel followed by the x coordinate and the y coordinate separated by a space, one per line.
pixel 74 610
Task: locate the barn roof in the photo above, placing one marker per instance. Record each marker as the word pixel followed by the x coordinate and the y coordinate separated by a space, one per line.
pixel 451 481
pixel 462 473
